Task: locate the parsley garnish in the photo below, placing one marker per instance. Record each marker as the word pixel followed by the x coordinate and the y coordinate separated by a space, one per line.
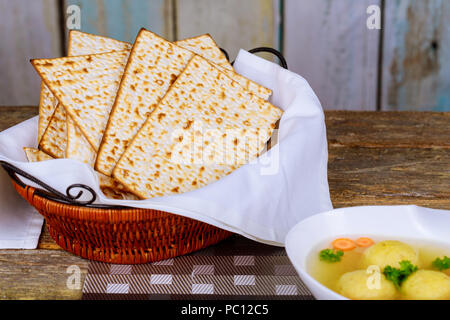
pixel 397 276
pixel 330 255
pixel 441 264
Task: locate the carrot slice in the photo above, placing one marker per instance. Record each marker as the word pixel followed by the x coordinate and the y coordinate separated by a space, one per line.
pixel 364 242
pixel 344 244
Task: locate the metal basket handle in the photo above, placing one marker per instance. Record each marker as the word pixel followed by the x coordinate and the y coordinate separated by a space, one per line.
pixel 273 51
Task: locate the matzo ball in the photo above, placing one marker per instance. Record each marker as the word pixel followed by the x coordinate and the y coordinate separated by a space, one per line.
pixel 389 253
pixel 427 285
pixel 356 285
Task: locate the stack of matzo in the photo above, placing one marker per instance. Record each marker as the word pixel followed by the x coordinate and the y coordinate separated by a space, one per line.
pixel 117 107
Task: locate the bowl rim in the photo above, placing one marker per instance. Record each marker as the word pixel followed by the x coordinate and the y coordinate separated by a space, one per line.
pixel 304 275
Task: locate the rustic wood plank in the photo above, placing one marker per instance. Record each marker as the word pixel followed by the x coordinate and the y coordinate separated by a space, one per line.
pixel 122 19
pixel 375 158
pixel 329 44
pixel 10 116
pixel 366 176
pixel 388 129
pixel 233 24
pixel 28 29
pixel 46 241
pixel 416 55
pixel 38 274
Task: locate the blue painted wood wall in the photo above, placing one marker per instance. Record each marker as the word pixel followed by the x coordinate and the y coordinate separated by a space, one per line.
pixel 416 55
pixel 406 66
pixel 122 19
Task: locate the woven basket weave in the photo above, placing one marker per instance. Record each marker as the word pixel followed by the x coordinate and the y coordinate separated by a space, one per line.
pixel 122 236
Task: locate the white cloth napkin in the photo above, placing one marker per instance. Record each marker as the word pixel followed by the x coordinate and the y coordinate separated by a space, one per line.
pixel 20 223
pixel 261 200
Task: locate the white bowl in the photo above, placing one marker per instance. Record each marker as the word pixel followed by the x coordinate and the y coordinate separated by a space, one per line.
pixel 381 222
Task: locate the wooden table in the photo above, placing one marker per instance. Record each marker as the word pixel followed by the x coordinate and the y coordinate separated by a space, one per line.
pixel 375 158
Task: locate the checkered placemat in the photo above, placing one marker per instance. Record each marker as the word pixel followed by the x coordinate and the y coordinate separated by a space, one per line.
pixel 236 268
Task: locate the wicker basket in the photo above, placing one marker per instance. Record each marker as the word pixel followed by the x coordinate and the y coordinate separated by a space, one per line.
pixel 121 235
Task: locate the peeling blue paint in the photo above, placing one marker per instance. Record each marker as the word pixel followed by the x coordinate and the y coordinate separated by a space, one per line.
pixel 121 19
pixel 417 35
pixel 443 102
pixel 89 15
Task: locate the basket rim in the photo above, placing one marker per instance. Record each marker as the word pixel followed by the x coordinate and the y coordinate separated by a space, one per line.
pixel 40 198
pixel 78 206
pixel 92 214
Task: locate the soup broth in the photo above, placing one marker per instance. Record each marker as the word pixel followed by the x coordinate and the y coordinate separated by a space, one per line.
pixel 329 273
